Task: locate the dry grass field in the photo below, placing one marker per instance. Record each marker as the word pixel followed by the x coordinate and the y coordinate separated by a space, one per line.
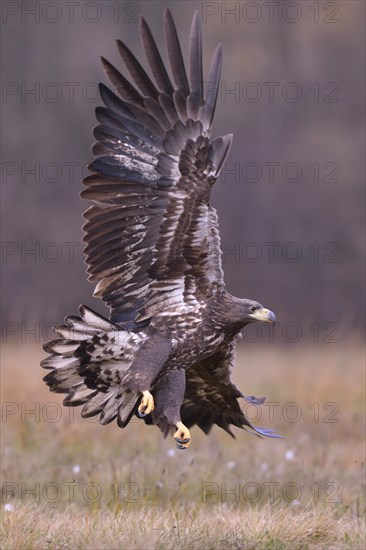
pixel 69 483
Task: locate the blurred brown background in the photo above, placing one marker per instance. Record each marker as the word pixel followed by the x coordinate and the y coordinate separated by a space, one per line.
pixel 291 199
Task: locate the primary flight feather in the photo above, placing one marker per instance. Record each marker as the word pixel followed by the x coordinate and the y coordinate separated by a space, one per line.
pixel 153 248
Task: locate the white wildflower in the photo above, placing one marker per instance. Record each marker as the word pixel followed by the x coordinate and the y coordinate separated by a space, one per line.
pixel 289 455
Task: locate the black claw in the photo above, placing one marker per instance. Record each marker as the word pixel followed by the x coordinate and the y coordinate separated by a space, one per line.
pixel 181 442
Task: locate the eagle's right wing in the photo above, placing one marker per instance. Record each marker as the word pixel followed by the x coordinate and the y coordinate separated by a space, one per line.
pixel 152 237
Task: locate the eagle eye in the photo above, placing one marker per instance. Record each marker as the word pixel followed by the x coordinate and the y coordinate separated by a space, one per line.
pixel 252 309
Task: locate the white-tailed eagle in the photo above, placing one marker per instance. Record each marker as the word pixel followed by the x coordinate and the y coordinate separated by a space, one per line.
pixel 153 248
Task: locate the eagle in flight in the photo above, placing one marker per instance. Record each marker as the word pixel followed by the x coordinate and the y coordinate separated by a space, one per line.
pixel 153 248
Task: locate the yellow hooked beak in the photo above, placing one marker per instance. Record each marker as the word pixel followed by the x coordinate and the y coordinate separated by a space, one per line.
pixel 265 315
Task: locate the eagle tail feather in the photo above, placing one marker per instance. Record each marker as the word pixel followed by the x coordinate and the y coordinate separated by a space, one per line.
pixel 79 368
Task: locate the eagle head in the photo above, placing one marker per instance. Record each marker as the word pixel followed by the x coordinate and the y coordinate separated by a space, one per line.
pixel 254 311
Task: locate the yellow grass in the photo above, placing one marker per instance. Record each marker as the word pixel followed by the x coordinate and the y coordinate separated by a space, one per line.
pixel 69 483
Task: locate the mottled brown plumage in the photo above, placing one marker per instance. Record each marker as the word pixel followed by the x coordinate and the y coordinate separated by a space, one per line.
pixel 153 250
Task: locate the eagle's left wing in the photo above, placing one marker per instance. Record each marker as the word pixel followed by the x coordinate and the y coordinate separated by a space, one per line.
pixel 212 398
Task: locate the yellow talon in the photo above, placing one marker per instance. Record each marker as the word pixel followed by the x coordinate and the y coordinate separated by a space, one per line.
pixel 182 436
pixel 147 404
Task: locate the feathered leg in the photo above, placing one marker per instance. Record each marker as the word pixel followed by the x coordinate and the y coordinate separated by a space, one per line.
pixel 148 362
pixel 168 401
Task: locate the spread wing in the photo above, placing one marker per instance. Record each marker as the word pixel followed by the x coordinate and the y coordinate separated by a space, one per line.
pixel 152 238
pixel 212 398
